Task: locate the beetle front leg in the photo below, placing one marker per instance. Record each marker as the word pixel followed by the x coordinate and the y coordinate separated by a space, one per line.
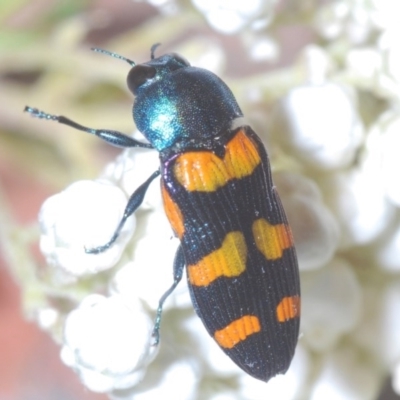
pixel 114 138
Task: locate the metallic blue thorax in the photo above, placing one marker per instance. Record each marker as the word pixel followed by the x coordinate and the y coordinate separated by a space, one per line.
pixel 181 105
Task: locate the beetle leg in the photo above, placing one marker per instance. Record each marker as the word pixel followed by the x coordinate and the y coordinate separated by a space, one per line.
pixel 179 264
pixel 115 138
pixel 134 202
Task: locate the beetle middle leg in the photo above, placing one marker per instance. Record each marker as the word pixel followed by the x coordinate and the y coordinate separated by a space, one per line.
pixel 133 204
pixel 179 264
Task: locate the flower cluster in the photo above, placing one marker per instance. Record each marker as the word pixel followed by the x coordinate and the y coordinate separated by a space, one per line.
pixel 331 124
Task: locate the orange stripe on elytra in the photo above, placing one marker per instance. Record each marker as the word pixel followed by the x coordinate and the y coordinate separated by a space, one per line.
pixel 237 331
pixel 229 260
pixel 173 213
pixel 288 308
pixel 205 172
pixel 271 240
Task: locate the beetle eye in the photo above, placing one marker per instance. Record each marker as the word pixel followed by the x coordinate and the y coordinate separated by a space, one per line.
pixel 138 75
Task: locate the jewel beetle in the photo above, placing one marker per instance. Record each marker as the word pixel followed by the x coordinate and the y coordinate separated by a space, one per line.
pixel 220 200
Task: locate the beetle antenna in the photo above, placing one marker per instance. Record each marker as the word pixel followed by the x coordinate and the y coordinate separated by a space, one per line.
pixel 115 55
pixel 153 49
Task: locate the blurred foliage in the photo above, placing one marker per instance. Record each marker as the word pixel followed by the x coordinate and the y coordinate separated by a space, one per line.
pixel 46 62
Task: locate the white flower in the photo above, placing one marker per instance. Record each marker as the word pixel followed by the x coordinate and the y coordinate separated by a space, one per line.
pixel 319 124
pixel 356 197
pixel 83 216
pixel 108 341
